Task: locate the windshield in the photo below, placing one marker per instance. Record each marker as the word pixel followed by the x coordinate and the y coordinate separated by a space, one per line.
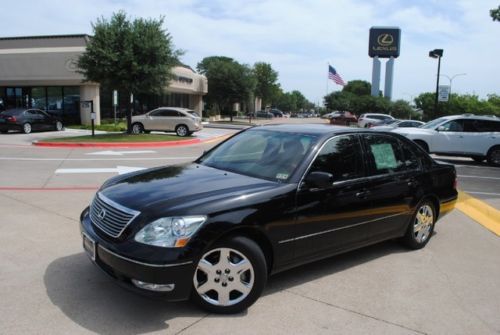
pixel 267 154
pixel 432 124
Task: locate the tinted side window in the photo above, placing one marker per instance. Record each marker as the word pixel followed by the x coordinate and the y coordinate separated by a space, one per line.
pixel 410 155
pixel 486 125
pixel 386 154
pixel 341 156
pixel 454 125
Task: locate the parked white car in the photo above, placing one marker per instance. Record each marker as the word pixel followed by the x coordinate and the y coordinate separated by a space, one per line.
pixel 372 119
pixel 181 120
pixel 477 137
pixel 398 124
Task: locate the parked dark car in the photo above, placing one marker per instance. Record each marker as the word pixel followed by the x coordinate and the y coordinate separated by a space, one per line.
pixel 28 120
pixel 277 113
pixel 343 118
pixel 264 114
pixel 267 199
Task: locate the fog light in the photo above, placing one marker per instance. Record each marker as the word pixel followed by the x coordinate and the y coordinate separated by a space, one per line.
pixel 153 287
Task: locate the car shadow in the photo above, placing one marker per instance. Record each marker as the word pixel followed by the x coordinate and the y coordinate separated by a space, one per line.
pixel 96 302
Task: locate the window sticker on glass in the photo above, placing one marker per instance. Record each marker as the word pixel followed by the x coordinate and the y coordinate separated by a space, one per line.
pixel 282 176
pixel 384 156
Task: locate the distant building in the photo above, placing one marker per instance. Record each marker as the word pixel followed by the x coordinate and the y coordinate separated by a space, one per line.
pixel 40 72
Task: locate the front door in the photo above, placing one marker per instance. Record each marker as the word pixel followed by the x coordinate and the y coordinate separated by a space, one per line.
pixel 332 218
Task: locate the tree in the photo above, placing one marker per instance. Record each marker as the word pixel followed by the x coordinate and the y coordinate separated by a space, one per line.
pixel 133 56
pixel 358 87
pixel 229 82
pixel 401 109
pixel 266 83
pixel 495 14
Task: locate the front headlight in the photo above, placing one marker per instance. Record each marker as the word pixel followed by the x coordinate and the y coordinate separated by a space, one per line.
pixel 170 231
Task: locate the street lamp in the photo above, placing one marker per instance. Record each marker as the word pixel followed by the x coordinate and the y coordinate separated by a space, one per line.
pixel 436 53
pixel 453 77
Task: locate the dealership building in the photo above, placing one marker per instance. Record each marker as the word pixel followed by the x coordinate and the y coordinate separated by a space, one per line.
pixel 41 72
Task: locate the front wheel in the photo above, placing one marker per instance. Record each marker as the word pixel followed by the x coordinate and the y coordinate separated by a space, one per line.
pixel 181 130
pixel 421 227
pixel 230 276
pixel 494 156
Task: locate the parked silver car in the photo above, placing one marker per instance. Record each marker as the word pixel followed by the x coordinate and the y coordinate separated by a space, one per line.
pixel 372 119
pixel 181 120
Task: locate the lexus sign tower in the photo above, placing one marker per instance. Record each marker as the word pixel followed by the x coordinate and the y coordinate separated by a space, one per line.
pixel 384 43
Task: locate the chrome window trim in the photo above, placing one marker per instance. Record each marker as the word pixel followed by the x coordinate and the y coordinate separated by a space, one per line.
pixel 336 229
pixel 111 203
pixel 142 263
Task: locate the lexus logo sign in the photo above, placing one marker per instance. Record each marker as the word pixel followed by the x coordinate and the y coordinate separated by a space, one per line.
pixel 102 214
pixel 384 42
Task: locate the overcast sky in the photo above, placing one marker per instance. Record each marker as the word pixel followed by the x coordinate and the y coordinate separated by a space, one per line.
pixel 299 38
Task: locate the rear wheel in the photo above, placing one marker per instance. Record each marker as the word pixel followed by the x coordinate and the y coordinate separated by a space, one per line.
pixel 137 128
pixel 230 276
pixel 494 156
pixel 181 130
pixel 421 226
pixel 27 128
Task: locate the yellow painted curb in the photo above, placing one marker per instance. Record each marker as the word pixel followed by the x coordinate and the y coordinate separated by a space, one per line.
pixel 479 211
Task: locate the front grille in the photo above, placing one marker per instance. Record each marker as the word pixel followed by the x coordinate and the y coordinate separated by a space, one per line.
pixel 110 217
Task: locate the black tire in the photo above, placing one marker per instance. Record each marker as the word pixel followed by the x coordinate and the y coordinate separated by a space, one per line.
pixel 27 128
pixel 182 130
pixel 59 126
pixel 478 159
pixel 137 128
pixel 255 278
pixel 423 145
pixel 419 231
pixel 493 156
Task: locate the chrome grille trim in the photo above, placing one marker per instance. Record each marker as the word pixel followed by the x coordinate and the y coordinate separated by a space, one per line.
pixel 117 217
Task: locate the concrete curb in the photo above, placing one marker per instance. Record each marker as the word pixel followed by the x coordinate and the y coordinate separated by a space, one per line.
pixel 116 144
pixel 478 210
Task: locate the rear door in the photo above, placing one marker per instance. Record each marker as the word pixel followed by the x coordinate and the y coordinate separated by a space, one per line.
pixel 393 174
pixel 333 218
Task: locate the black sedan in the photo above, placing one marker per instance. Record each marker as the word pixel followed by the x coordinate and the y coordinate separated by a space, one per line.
pixel 28 120
pixel 268 199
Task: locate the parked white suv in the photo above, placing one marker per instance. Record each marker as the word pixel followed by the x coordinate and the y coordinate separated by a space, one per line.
pixel 181 120
pixel 372 119
pixel 477 137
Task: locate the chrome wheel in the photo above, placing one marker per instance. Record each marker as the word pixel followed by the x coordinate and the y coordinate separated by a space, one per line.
pixel 224 277
pixel 27 128
pixel 181 131
pixel 136 128
pixel 423 223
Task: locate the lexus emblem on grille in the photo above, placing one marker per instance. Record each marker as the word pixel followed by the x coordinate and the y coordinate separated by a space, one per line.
pixel 102 214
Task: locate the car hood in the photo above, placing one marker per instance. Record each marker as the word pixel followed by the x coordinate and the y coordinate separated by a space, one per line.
pixel 182 186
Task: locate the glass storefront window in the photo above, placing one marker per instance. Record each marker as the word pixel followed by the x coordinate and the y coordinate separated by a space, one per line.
pixel 55 101
pixel 71 104
pixel 38 98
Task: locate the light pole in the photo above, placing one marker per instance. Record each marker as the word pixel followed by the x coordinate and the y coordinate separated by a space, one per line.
pixel 412 101
pixel 453 77
pixel 436 53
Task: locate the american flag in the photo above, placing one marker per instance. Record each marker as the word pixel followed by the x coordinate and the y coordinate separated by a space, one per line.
pixel 333 75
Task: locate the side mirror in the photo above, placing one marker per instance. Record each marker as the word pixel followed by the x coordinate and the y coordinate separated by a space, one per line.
pixel 319 179
pixel 441 128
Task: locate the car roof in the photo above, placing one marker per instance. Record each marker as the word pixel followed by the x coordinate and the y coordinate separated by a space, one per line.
pixel 471 116
pixel 180 109
pixel 311 128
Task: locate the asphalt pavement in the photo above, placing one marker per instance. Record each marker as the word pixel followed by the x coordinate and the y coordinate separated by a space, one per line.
pixel 49 286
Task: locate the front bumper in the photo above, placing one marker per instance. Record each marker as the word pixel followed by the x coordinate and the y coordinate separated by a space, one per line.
pixel 124 269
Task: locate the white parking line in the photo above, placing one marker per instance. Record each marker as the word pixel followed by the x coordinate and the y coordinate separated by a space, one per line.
pixel 479 177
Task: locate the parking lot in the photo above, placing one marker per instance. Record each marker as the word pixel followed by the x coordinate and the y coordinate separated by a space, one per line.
pixel 49 286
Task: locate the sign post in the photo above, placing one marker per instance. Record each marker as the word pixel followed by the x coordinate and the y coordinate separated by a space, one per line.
pixel 444 93
pixel 87 104
pixel 115 102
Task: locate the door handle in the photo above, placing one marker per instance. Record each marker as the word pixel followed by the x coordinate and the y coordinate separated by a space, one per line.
pixel 412 182
pixel 362 194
